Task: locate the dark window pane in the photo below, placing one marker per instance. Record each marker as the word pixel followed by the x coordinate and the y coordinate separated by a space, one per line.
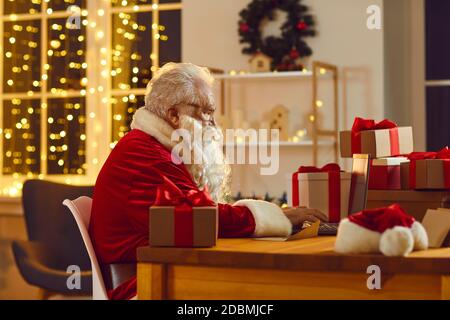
pixel 124 3
pixel 437 36
pixel 62 5
pixel 123 109
pixel 22 6
pixel 170 41
pixel 22 56
pixel 170 1
pixel 66 56
pixel 438 113
pixel 21 136
pixel 131 50
pixel 66 136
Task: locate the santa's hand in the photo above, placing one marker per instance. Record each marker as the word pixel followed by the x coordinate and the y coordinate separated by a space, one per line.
pixel 298 216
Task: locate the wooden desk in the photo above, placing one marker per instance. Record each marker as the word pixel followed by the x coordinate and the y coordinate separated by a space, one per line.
pixel 306 269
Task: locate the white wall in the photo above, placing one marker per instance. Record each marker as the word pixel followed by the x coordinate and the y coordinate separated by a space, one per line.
pixel 210 38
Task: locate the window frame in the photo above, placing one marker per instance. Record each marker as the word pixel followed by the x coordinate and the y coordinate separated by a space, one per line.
pixel 98 93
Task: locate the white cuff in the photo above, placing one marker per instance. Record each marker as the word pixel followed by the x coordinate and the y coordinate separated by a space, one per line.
pixel 270 221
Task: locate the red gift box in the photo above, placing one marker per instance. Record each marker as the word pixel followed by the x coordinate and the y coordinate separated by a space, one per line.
pixel 382 139
pixel 427 170
pixel 179 220
pixel 385 173
pixel 326 189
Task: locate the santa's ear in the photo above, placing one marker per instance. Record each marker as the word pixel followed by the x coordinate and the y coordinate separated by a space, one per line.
pixel 173 117
pixel 420 236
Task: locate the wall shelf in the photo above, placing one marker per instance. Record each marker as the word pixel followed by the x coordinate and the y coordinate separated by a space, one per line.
pixel 267 75
pixel 304 143
pixel 318 69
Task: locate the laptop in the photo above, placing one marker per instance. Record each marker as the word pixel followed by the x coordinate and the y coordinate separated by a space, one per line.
pixel 358 192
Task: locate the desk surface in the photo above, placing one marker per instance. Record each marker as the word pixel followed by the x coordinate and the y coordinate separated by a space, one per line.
pixel 303 255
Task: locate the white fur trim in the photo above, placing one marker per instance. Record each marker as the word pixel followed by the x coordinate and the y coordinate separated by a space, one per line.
pixel 397 242
pixel 269 218
pixel 420 236
pixel 352 238
pixel 153 125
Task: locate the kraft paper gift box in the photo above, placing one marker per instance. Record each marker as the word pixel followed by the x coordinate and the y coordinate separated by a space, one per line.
pixel 378 140
pixel 385 173
pixel 437 225
pixel 183 226
pixel 427 170
pixel 327 191
pixel 182 220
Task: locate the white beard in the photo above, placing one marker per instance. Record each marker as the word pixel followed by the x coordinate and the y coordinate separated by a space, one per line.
pixel 213 170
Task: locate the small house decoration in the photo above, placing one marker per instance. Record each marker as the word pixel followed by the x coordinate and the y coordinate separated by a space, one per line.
pixel 279 119
pixel 260 63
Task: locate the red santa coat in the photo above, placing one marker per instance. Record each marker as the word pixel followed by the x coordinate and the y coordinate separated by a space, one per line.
pixel 126 188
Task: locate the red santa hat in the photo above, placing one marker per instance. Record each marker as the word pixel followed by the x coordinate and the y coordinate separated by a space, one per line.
pixel 390 231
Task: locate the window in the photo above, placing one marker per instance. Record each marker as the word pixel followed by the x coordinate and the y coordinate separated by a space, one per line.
pixel 73 72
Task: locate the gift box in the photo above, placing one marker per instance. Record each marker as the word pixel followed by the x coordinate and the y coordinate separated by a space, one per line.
pixel 326 189
pixel 379 140
pixel 385 173
pixel 178 220
pixel 427 170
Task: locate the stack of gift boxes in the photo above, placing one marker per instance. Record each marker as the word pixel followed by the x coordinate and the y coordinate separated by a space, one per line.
pixel 394 166
pixel 179 220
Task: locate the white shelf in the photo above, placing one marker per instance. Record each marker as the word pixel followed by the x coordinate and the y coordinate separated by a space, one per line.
pixel 305 143
pixel 262 75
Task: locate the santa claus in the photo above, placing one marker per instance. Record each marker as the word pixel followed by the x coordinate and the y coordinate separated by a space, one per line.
pixel 179 96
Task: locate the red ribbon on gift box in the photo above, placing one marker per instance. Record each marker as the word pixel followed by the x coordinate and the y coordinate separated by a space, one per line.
pixel 168 194
pixel 444 154
pixel 360 125
pixel 334 188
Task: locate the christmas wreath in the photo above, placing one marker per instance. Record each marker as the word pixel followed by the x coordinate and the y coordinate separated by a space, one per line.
pixel 285 50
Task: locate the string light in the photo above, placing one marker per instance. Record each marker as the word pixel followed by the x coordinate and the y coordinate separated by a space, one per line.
pixel 60 112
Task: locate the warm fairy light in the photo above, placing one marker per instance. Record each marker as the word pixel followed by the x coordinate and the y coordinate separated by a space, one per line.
pixel 319 104
pixel 100 34
pixel 101 12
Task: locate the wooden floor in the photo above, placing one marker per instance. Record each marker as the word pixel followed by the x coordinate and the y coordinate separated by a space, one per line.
pixel 12 286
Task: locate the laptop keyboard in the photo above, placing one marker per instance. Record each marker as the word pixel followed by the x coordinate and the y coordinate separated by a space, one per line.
pixel 328 229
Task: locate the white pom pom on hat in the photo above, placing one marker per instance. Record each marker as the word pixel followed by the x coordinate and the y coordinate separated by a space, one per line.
pixel 398 233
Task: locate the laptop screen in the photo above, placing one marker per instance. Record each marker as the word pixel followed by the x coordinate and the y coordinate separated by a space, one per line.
pixel 360 183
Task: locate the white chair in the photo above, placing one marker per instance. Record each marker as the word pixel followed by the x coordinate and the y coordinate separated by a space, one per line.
pixel 81 211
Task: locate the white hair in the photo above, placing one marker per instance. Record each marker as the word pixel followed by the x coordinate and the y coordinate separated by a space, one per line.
pixel 177 84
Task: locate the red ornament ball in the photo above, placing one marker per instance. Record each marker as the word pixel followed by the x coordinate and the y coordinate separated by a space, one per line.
pixel 302 25
pixel 244 27
pixel 294 54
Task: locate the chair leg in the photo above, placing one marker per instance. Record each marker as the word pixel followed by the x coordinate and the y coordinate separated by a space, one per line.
pixel 44 294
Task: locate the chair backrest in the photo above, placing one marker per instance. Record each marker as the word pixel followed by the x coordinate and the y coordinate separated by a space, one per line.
pixel 48 223
pixel 81 211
